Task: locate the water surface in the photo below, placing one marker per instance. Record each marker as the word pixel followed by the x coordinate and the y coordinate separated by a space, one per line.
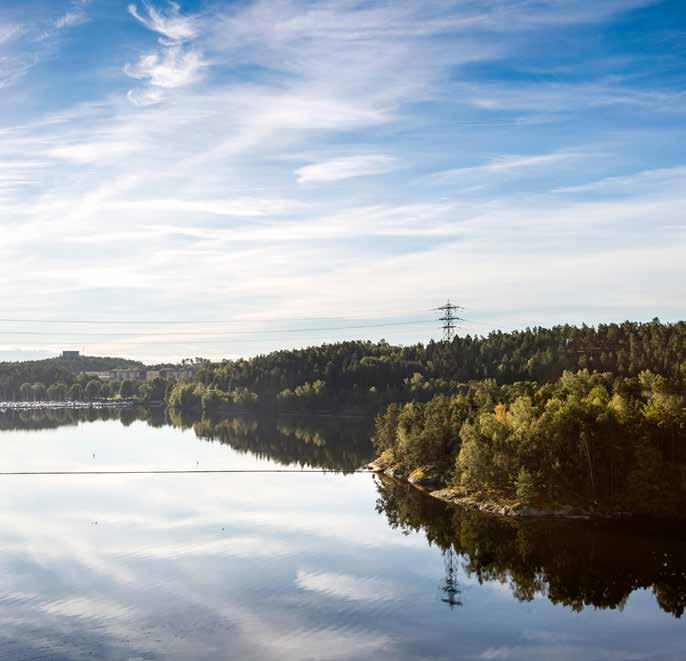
pixel 302 565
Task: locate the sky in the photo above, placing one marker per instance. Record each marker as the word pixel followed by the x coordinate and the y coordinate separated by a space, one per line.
pixel 285 173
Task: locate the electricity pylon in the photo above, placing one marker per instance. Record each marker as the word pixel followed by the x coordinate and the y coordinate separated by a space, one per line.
pixel 449 319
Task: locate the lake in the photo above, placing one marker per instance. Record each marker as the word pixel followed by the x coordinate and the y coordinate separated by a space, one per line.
pixel 306 564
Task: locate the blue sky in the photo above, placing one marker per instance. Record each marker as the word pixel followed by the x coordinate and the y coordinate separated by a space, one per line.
pixel 275 162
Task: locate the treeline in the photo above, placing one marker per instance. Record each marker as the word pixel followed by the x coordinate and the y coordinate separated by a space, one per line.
pixel 85 388
pixel 595 441
pixel 63 372
pixel 366 377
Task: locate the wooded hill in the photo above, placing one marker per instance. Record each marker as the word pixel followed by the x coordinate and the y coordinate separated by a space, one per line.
pixel 368 376
pixel 52 371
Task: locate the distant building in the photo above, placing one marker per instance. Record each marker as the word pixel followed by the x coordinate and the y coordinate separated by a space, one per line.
pixel 135 374
pixel 127 374
pixel 71 355
pixel 103 376
pixel 176 372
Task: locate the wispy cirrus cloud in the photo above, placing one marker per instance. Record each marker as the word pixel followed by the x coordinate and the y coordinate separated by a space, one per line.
pixel 510 165
pixel 172 68
pixel 645 181
pixel 171 24
pixel 346 168
pixel 93 152
pixel 570 97
pixel 9 31
pixel 75 15
pixel 13 62
pixel 175 65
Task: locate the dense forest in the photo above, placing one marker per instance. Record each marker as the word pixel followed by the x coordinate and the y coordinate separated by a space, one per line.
pixel 40 375
pixel 594 441
pixel 366 377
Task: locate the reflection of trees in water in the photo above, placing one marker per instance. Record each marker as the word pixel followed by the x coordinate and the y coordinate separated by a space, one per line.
pixel 315 442
pixel 37 419
pixel 573 563
pixel 330 443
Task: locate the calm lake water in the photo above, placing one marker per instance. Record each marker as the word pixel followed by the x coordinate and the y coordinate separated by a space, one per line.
pixel 300 565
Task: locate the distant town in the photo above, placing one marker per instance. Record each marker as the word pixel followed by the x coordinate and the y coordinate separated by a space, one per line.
pixel 135 373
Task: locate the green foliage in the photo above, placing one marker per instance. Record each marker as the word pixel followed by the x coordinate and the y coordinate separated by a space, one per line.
pixel 525 487
pixel 57 392
pixel 153 390
pixel 53 371
pixel 243 397
pixel 385 429
pixel 38 392
pixel 212 400
pixel 126 389
pixel 587 440
pixel 189 396
pixel 366 377
pixel 363 377
pixel 76 392
pixel 186 397
pixel 92 390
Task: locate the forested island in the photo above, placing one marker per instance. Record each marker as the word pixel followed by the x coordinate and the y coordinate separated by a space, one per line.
pixel 568 419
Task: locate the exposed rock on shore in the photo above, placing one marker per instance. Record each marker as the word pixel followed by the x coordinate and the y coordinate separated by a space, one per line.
pixel 425 478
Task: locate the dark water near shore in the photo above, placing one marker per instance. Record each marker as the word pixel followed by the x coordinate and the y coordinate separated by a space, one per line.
pixel 311 565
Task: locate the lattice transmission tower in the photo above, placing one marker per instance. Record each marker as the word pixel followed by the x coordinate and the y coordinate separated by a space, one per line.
pixel 449 319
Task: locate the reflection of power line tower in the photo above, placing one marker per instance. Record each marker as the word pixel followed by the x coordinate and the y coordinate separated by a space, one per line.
pixel 449 319
pixel 450 588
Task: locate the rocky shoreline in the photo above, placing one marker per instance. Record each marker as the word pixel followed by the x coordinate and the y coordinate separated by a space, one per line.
pixel 428 483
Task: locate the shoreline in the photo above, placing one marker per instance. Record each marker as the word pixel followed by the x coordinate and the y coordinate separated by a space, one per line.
pixel 51 406
pixel 451 496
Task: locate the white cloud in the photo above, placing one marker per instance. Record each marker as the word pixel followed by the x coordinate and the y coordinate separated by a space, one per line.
pixel 145 97
pixel 346 168
pixel 505 15
pixel 511 164
pixel 556 97
pixel 645 180
pixel 173 68
pixel 71 19
pixel 246 207
pixel 9 31
pixel 13 63
pixel 172 25
pixel 176 65
pixel 93 152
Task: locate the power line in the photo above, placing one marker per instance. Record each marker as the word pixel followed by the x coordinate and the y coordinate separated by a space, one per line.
pixel 219 334
pixel 181 471
pixel 162 321
pixel 352 317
